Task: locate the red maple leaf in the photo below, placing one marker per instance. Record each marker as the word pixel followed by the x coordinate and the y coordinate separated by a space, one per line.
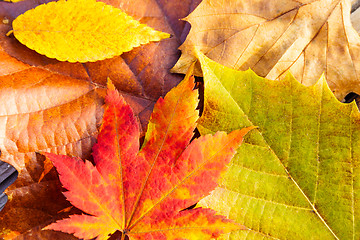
pixel 143 193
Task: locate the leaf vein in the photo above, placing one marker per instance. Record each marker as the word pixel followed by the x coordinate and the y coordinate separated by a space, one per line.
pixel 270 201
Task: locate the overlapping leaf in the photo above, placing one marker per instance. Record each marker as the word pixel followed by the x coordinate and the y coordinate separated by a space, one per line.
pixel 141 74
pixel 141 193
pixel 81 31
pixel 297 176
pixel 41 110
pixel 306 37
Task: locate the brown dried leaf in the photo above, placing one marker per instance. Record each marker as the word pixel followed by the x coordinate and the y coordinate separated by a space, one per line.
pixel 307 37
pixel 41 111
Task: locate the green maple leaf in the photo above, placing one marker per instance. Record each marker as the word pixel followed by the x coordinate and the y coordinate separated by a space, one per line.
pixel 297 175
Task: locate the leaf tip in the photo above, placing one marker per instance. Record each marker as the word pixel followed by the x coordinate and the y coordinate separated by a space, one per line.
pixel 240 133
pixel 113 96
pixel 47 168
pixel 245 130
pixel 189 77
pixel 164 35
pixel 110 85
pixel 9 33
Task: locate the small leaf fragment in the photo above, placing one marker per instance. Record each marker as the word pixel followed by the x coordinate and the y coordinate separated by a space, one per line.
pixel 81 31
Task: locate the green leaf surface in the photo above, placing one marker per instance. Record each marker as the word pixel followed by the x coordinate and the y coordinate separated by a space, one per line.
pixel 297 175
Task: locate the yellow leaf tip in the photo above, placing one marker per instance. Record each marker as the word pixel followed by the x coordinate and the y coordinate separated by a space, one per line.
pixel 110 85
pixel 165 35
pixel 9 33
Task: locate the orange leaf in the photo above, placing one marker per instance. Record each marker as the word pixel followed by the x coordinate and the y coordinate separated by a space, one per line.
pixel 142 75
pixel 41 111
pixel 142 193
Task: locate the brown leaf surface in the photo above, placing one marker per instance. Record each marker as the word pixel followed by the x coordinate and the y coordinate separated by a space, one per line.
pixel 307 37
pixel 55 106
pixel 41 111
pixel 143 73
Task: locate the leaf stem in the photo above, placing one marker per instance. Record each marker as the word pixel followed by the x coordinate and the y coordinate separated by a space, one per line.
pixel 122 236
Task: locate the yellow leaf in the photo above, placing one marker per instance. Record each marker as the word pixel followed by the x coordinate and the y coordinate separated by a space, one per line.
pixel 81 31
pixel 13 1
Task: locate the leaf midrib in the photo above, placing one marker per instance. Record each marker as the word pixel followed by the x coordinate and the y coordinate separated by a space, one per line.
pixel 117 140
pixel 151 168
pixel 224 146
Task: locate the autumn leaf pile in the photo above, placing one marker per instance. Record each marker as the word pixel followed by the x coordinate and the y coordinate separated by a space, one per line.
pixel 111 143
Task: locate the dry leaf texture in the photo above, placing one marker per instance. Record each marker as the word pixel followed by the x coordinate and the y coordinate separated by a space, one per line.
pixel 41 111
pixel 141 193
pixel 142 75
pixel 271 37
pixel 81 31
